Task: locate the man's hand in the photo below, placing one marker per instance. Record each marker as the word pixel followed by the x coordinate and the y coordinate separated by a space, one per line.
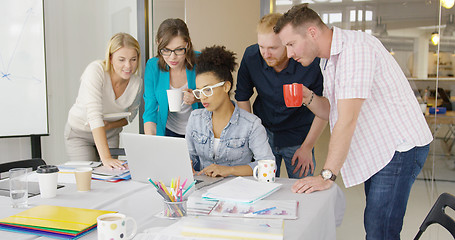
pixel 304 159
pixel 311 184
pixel 215 170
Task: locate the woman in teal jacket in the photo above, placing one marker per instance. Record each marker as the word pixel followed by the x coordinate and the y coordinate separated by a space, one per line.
pixel 172 68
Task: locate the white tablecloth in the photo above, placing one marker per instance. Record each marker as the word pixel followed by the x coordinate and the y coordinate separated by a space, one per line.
pixel 319 212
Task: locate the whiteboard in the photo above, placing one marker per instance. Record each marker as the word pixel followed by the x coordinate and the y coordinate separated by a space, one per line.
pixel 23 95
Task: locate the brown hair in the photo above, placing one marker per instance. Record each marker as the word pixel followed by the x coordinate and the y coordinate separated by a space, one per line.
pixel 298 16
pixel 168 30
pixel 118 41
pixel 267 23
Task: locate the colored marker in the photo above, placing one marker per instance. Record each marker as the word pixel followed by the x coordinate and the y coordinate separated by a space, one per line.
pixel 189 187
pixel 264 210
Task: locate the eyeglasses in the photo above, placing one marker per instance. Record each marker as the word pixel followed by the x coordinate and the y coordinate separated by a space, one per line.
pixel 207 91
pixel 178 51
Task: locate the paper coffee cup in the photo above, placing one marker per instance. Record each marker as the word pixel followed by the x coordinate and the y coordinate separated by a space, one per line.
pixel 83 178
pixel 47 178
pixel 175 99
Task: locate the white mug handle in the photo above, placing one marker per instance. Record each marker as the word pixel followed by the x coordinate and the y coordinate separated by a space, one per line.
pixel 255 172
pixel 134 227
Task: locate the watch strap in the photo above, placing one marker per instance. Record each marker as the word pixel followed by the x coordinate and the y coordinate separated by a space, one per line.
pixel 333 177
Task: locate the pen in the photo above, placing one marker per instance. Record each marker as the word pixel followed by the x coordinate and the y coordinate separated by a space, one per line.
pixel 167 192
pixel 178 184
pixel 189 187
pixel 150 180
pixel 125 162
pixel 183 185
pixel 264 210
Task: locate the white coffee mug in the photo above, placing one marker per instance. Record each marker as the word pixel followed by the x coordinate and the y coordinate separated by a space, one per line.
pixel 175 99
pixel 265 171
pixel 112 226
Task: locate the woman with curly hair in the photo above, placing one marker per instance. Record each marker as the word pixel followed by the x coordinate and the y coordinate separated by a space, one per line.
pixel 222 139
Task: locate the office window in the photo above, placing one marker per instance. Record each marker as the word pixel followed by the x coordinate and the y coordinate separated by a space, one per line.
pixel 359 15
pixel 335 17
pixel 352 16
pixel 368 15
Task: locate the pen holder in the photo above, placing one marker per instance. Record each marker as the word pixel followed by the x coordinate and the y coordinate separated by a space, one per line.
pixel 174 209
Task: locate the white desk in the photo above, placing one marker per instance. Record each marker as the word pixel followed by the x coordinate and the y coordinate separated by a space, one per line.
pixel 317 211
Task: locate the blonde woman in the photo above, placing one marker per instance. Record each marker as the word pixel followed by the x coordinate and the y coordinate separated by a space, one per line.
pixel 107 86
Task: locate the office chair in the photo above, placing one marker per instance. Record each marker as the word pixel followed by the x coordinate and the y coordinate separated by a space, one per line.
pixel 437 215
pixel 29 163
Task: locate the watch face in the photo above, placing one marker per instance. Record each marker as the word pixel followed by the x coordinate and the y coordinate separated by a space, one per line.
pixel 326 174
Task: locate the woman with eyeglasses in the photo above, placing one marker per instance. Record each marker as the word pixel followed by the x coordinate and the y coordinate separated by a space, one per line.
pixel 223 138
pixel 172 68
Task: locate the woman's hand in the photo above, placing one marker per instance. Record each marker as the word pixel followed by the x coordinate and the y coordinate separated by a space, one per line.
pixel 114 163
pixel 215 170
pixel 188 97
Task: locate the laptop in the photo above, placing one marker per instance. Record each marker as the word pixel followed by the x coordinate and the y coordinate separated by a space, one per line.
pixel 160 158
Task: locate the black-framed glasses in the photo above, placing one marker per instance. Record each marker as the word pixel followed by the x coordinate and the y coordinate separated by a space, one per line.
pixel 207 91
pixel 178 51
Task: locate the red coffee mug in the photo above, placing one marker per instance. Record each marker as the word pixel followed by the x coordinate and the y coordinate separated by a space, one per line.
pixel 293 94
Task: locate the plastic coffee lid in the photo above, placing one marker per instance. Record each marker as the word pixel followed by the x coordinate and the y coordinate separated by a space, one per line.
pixel 47 169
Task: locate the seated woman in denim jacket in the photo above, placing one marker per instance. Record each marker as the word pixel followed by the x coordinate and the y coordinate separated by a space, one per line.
pixel 223 138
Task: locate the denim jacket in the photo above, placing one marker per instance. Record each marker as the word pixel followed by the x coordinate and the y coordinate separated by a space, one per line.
pixel 243 139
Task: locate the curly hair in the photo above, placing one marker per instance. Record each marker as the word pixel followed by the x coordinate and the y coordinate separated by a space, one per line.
pixel 217 60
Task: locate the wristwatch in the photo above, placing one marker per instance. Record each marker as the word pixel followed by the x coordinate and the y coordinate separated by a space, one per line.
pixel 327 174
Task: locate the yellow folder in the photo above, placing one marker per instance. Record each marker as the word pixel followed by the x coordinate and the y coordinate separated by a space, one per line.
pixel 56 217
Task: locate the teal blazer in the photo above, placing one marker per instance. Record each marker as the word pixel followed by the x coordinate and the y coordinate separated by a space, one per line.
pixel 156 82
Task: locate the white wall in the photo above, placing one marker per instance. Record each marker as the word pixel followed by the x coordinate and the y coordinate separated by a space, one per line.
pixel 76 33
pixel 230 23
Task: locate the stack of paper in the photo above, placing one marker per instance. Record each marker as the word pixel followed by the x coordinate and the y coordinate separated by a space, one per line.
pixel 241 190
pixel 53 221
pixel 233 228
pixel 111 175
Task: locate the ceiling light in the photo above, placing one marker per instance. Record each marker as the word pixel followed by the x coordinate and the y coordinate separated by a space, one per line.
pixel 447 3
pixel 435 38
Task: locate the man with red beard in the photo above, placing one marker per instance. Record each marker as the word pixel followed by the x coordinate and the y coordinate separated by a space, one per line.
pixel 266 67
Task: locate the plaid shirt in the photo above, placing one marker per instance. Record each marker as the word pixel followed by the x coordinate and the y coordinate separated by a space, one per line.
pixel 360 67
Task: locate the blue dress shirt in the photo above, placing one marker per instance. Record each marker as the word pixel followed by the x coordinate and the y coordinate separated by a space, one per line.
pixel 288 125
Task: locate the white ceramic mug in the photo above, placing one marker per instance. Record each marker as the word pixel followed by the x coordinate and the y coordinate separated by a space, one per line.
pixel 265 171
pixel 175 99
pixel 112 226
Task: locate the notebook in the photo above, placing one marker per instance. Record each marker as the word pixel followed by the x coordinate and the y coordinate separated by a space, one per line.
pixel 160 158
pixel 241 190
pixel 53 221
